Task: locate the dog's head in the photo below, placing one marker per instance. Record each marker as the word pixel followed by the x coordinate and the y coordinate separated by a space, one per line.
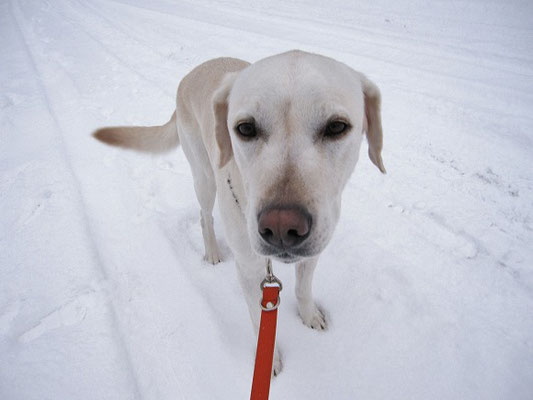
pixel 294 124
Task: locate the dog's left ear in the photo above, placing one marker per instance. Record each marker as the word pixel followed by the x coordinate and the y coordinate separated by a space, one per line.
pixel 220 109
pixel 372 121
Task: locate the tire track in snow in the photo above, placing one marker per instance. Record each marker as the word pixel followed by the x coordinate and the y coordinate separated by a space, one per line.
pixel 376 37
pixel 285 32
pixel 125 35
pixel 389 36
pixel 471 93
pixel 17 16
pixel 77 25
pixel 165 376
pixel 430 74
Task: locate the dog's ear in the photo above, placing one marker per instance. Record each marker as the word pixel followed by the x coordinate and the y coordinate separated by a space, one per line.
pixel 372 121
pixel 220 109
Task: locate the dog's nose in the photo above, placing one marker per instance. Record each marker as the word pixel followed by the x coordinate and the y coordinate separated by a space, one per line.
pixel 284 227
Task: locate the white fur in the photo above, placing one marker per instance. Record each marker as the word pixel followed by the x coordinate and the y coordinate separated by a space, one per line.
pixel 291 96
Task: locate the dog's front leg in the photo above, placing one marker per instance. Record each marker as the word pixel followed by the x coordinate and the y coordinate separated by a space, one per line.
pixel 309 312
pixel 252 271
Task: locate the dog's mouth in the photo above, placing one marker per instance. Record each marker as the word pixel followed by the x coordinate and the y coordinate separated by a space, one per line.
pixel 284 255
pixel 286 258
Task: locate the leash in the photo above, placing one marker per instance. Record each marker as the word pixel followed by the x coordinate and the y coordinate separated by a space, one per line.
pixel 264 356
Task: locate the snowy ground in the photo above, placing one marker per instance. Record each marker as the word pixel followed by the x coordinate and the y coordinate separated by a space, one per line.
pixel 428 282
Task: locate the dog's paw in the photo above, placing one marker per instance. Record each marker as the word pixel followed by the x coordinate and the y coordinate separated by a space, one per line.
pixel 212 254
pixel 277 365
pixel 314 319
pixel 212 258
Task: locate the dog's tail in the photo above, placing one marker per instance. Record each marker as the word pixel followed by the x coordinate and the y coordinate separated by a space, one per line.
pixel 151 139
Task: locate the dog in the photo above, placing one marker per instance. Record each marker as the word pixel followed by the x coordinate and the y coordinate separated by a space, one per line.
pixel 276 140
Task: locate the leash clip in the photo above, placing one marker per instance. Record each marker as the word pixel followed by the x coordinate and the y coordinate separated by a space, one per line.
pixel 270 278
pixel 270 281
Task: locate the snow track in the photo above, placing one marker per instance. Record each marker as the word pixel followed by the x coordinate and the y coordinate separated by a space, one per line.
pixel 427 284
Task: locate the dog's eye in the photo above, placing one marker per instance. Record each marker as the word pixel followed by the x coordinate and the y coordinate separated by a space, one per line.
pixel 246 130
pixel 335 128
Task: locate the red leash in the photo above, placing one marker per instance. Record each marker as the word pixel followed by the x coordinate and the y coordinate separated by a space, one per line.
pixel 264 356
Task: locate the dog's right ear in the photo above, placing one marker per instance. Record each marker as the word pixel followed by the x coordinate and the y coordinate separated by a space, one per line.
pixel 220 109
pixel 372 121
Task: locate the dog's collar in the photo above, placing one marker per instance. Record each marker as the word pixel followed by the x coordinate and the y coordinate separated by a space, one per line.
pixel 233 192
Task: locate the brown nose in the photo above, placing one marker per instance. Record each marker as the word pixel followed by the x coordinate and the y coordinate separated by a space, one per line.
pixel 284 227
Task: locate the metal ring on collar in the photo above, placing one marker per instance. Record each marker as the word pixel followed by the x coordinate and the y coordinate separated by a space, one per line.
pixel 272 307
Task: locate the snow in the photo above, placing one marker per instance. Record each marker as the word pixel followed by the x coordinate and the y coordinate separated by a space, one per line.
pixel 427 283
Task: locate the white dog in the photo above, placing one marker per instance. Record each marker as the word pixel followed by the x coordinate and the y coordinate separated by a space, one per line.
pixel 277 140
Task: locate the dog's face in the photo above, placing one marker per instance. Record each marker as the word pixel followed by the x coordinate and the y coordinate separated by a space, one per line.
pixel 294 124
